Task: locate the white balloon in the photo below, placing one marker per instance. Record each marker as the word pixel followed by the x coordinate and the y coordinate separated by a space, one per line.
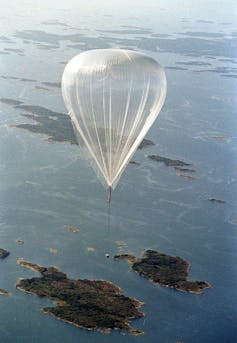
pixel 113 97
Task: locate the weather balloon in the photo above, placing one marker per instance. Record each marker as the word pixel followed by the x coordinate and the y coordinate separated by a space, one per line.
pixel 113 97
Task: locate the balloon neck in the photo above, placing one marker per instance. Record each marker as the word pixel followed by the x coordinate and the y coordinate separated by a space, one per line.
pixel 109 196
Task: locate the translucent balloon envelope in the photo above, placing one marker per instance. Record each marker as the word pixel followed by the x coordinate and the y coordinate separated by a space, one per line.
pixel 113 97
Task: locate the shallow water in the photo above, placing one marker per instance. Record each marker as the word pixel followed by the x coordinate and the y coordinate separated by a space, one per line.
pixel 46 185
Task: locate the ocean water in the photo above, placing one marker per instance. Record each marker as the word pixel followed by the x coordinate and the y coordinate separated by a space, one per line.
pixel 47 185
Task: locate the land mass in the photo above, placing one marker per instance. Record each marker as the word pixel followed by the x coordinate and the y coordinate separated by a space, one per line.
pixel 169 162
pixel 187 176
pixel 4 292
pixel 220 201
pixel 135 163
pixel 4 253
pixel 56 126
pixel 169 271
pixel 145 143
pixel 90 304
pixel 185 169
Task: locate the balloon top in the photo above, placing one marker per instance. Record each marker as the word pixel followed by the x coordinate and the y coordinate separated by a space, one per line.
pixel 113 97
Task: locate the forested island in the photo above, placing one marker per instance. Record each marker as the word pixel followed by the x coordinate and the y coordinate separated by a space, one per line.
pixel 169 271
pixel 90 304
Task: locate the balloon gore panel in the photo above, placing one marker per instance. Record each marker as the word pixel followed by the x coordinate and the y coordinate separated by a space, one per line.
pixel 113 97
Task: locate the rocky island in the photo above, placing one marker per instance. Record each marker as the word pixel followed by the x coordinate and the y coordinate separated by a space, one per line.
pixel 169 162
pixel 187 176
pixel 145 143
pixel 4 253
pixel 184 169
pixel 4 292
pixel 135 163
pixel 220 201
pixel 90 304
pixel 169 271
pixel 71 229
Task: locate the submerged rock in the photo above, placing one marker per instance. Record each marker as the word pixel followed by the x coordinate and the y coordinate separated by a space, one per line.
pixel 169 271
pixel 52 84
pixel 220 138
pixel 71 228
pixel 43 88
pixel 53 251
pixel 90 304
pixel 8 101
pixel 90 249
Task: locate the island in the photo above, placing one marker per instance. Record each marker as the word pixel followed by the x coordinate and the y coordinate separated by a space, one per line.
pixel 187 176
pixel 145 143
pixel 8 101
pixel 4 253
pixel 4 292
pixel 52 84
pixel 56 126
pixel 71 228
pixel 89 304
pixel 219 138
pixel 162 269
pixel 220 201
pixel 184 169
pixel 169 162
pixel 135 163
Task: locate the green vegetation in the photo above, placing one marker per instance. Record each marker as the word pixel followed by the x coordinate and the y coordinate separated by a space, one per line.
pixel 94 305
pixel 166 270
